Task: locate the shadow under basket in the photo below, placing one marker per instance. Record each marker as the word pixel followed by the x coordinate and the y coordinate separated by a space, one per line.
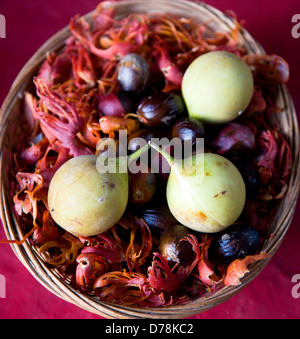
pixel 9 140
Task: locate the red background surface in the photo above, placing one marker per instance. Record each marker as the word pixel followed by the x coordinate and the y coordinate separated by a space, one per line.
pixel 30 23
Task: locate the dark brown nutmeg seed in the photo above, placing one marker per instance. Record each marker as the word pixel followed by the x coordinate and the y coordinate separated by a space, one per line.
pixel 160 109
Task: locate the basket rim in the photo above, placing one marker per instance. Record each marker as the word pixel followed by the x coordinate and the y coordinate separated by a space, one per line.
pixel 46 277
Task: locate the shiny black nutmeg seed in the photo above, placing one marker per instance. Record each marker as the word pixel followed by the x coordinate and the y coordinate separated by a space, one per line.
pixel 236 242
pixel 133 73
pixel 250 173
pixel 157 218
pixel 171 246
pixel 188 129
pixel 160 109
pixel 134 140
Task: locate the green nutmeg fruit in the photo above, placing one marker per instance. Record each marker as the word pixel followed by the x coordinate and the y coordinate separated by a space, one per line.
pixel 205 193
pixel 84 201
pixel 217 87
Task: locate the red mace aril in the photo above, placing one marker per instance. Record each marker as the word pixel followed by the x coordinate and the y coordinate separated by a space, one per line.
pixel 115 104
pixel 234 141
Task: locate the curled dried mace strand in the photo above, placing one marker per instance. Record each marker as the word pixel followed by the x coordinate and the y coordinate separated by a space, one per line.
pixel 140 245
pixel 20 242
pixel 160 275
pixel 239 267
pixel 47 232
pixel 31 191
pixel 105 247
pixel 163 278
pixel 83 68
pixel 89 267
pixel 120 46
pixel 31 186
pixel 127 288
pixel 172 28
pixel 68 248
pixel 205 270
pixel 59 120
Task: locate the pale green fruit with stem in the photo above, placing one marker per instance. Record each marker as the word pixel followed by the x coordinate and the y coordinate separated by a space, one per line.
pixel 207 195
pixel 85 201
pixel 217 87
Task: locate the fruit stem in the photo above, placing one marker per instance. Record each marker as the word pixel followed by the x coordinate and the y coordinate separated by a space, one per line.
pixel 167 156
pixel 132 157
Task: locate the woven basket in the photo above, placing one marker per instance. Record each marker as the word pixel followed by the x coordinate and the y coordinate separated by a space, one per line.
pixel 11 128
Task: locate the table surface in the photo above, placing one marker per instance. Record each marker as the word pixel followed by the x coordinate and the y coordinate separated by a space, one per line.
pixel 28 25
